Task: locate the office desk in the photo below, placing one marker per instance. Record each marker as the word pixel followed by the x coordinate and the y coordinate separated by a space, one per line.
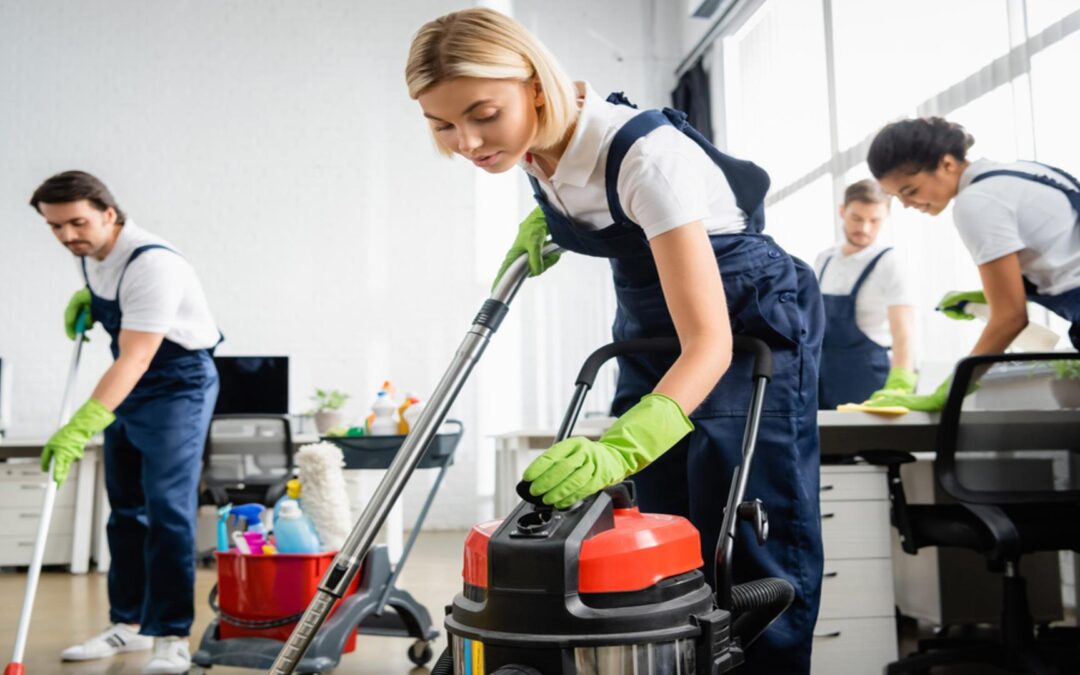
pixel 856 624
pixel 73 515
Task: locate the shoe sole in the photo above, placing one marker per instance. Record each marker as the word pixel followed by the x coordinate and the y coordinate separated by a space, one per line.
pixel 126 649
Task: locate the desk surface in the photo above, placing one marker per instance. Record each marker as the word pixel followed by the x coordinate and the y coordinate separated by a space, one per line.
pixel 845 433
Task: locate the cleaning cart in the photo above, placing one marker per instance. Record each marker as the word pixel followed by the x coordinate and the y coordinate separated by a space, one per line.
pixel 260 598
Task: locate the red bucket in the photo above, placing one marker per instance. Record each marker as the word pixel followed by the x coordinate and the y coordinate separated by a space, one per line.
pixel 265 588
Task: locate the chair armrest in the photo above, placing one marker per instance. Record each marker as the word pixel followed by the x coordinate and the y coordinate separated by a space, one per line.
pixel 1000 529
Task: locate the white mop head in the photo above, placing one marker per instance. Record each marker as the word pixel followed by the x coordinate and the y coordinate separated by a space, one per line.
pixel 323 493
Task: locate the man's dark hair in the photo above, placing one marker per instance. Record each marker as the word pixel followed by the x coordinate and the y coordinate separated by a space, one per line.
pixel 72 186
pixel 867 191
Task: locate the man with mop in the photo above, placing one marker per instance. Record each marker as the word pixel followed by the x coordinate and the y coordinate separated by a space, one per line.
pixel 154 405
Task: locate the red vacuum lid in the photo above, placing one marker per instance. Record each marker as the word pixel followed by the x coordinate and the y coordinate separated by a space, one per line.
pixel 640 551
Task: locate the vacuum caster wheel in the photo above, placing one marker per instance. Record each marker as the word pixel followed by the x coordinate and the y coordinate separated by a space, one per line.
pixel 420 652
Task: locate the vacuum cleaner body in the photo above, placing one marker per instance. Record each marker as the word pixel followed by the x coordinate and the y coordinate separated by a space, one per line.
pixel 600 589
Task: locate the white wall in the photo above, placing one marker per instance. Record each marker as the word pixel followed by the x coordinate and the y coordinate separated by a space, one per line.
pixel 275 145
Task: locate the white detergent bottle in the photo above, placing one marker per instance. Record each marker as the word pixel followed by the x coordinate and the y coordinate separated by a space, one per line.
pixel 383 410
pixel 412 414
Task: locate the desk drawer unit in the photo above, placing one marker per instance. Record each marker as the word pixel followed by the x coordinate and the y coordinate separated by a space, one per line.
pixel 23 484
pixel 22 490
pixel 856 529
pixel 17 551
pixel 856 629
pixel 853 646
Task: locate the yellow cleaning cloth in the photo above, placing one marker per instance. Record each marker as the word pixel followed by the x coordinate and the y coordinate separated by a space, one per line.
pixel 880 410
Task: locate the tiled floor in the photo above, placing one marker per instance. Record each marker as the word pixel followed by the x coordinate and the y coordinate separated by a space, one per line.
pixel 70 608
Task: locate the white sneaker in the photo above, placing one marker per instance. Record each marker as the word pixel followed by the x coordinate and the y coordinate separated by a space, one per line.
pixel 116 639
pixel 171 657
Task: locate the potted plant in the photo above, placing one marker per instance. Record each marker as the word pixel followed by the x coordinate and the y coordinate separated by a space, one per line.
pixel 327 404
pixel 1066 386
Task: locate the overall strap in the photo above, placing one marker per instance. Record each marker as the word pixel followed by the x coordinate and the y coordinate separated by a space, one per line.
pixel 747 180
pixel 866 272
pixel 538 192
pixel 823 268
pixel 1072 194
pixel 639 126
pixel 135 254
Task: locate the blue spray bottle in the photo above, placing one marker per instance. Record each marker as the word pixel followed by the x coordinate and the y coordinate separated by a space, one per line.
pixel 223 528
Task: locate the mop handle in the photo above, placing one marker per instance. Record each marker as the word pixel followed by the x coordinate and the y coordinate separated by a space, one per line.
pixel 34 573
pixel 348 560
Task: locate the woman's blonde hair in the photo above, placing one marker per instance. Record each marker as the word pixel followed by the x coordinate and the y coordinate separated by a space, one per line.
pixel 483 43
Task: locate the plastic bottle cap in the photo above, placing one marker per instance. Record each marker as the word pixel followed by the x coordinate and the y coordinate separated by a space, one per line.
pixel 292 488
pixel 290 511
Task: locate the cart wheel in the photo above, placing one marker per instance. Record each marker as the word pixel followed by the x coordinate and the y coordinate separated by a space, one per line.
pixel 420 652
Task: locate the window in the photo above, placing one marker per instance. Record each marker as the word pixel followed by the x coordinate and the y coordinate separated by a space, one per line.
pixel 888 62
pixel 957 59
pixel 776 97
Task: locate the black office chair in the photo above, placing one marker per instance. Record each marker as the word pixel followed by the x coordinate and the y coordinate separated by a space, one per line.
pixel 248 458
pixel 1014 412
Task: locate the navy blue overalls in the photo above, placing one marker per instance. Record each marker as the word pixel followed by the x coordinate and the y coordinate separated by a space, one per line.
pixel 1067 304
pixel 852 365
pixel 153 458
pixel 771 296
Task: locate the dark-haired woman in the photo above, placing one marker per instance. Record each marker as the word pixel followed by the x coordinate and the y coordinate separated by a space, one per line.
pixel 1019 221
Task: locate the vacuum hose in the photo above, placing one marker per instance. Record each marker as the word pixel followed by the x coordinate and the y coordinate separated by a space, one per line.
pixel 758 603
pixel 445 664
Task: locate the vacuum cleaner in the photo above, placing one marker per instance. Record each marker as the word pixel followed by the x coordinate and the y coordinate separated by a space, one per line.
pixel 599 588
pixel 603 589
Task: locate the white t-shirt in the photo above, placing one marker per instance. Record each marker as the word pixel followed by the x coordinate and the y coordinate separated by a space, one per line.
pixel 885 287
pixel 1003 214
pixel 160 292
pixel 666 179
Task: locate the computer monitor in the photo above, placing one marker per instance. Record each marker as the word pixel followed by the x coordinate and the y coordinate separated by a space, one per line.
pixel 253 385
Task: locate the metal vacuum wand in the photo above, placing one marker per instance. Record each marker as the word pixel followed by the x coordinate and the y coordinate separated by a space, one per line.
pixel 347 562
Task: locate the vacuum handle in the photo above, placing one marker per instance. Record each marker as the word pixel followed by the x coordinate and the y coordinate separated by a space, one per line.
pixel 762 369
pixel 740 343
pixel 762 355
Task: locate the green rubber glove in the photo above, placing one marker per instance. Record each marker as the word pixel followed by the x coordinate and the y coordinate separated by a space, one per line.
pixel 531 238
pixel 952 304
pixel 572 470
pixel 926 402
pixel 79 302
pixel 66 446
pixel 899 381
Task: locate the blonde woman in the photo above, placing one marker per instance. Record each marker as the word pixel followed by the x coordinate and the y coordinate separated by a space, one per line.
pixel 681 223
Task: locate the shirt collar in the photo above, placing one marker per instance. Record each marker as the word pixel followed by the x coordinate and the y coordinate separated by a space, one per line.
pixel 869 251
pixel 975 168
pixel 124 243
pixel 583 151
